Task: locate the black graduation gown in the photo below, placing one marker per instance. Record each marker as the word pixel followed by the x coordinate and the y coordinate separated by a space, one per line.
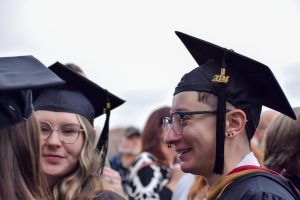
pixel 259 186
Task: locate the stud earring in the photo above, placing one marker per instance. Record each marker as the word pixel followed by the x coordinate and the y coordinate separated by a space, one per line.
pixel 169 145
pixel 229 134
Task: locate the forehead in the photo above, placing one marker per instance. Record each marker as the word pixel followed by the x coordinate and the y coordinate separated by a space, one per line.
pixel 188 101
pixel 56 117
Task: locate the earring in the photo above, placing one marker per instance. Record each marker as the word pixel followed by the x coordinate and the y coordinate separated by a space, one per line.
pixel 229 133
pixel 169 145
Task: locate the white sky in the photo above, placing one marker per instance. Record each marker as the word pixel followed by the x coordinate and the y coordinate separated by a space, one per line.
pixel 129 46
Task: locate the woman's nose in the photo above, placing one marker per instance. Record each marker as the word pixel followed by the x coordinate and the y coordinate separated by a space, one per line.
pixel 54 139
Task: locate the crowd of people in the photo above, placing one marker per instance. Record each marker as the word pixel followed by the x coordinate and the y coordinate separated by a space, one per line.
pixel 213 142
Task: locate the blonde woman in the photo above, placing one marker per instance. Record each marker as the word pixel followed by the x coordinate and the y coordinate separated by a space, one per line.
pixel 69 159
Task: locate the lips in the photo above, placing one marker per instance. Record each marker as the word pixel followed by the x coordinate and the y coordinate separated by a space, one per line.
pixel 53 158
pixel 182 151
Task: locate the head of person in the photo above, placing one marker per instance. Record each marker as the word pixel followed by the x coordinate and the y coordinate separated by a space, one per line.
pixel 266 118
pixel 216 108
pixel 21 175
pixel 153 136
pixel 282 144
pixel 130 143
pixel 75 68
pixel 66 115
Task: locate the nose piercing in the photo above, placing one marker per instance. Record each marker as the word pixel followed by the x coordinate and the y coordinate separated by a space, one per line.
pixel 169 145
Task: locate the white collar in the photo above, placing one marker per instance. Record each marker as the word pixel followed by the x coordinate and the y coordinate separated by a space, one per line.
pixel 249 159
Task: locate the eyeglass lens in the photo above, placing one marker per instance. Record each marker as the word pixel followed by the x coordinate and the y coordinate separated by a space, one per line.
pixel 67 133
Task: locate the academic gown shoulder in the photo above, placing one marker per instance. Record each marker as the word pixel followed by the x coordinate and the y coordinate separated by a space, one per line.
pixel 258 188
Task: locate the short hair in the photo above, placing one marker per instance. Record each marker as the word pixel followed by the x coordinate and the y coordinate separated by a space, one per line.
pixel 211 100
pixel 282 143
pixel 208 98
pixel 75 68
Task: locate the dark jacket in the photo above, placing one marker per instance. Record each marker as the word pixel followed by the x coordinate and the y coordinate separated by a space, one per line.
pixel 260 186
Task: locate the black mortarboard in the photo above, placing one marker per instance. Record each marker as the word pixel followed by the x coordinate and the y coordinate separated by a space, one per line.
pixel 244 82
pixel 18 76
pixel 80 96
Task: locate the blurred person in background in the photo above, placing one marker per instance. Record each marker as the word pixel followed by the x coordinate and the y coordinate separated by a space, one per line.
pixel 69 159
pixel 282 147
pixel 266 118
pixel 153 174
pixel 75 68
pixel 21 173
pixel 128 148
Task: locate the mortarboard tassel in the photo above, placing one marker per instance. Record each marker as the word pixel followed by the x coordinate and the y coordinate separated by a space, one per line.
pixel 102 144
pixel 219 160
pixel 221 111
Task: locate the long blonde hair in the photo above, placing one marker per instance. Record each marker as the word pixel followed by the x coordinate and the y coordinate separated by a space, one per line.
pixel 82 182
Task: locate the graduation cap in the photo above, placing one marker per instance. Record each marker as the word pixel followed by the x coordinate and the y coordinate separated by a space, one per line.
pixel 242 81
pixel 80 96
pixel 18 76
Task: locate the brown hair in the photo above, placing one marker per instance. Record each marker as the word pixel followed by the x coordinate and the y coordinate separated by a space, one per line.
pixel 21 175
pixel 152 133
pixel 282 143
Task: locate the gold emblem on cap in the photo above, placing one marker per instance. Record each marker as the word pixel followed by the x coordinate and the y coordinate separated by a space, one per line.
pixel 221 78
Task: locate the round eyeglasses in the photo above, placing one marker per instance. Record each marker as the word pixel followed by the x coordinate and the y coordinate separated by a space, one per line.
pixel 68 133
pixel 177 118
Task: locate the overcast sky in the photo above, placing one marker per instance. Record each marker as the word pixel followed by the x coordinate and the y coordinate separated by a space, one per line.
pixel 129 46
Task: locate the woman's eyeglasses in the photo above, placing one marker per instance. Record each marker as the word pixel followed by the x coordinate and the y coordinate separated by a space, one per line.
pixel 68 133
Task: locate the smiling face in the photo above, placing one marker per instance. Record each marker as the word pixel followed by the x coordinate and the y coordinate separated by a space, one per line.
pixel 58 158
pixel 195 146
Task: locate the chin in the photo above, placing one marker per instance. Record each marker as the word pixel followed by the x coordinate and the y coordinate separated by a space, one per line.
pixel 185 167
pixel 52 171
pixel 190 169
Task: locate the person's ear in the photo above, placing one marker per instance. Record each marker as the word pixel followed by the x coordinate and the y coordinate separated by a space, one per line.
pixel 235 122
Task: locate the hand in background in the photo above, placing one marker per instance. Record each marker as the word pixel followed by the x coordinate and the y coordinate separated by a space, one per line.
pixel 175 176
pixel 112 177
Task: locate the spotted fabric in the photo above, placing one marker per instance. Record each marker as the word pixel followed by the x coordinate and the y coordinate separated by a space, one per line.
pixel 147 179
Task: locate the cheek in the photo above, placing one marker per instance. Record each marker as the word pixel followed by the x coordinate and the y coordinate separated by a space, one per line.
pixel 76 148
pixel 201 135
pixel 42 143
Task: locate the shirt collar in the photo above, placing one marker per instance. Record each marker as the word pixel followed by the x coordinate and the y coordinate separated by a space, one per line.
pixel 249 159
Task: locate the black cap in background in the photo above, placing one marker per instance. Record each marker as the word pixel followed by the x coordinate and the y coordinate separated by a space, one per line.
pixel 130 131
pixel 18 76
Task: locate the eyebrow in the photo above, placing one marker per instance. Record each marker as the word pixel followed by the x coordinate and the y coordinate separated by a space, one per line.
pixel 181 110
pixel 64 124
